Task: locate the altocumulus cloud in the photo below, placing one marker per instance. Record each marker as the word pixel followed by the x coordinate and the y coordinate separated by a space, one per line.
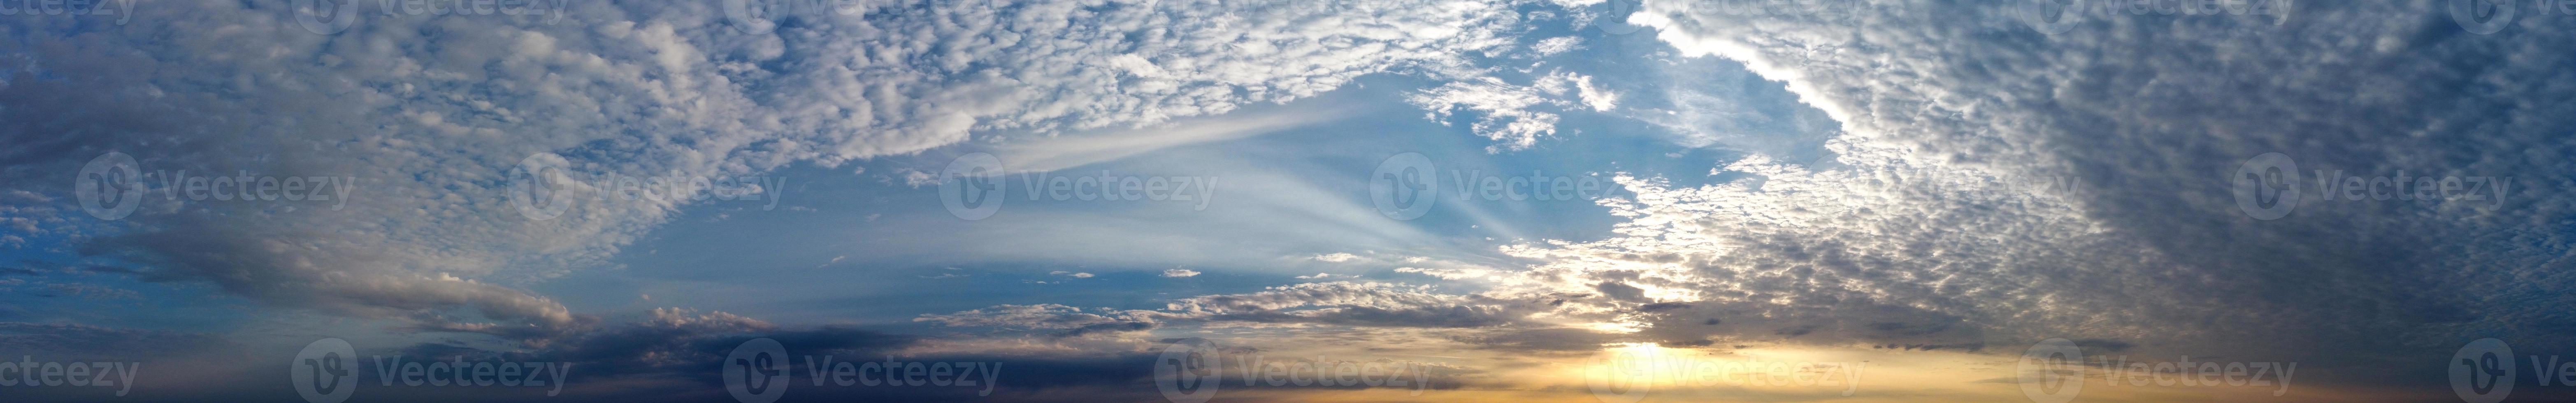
pixel 431 114
pixel 2139 121
pixel 2148 113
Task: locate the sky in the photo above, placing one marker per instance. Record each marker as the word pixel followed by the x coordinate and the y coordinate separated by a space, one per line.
pixel 1190 201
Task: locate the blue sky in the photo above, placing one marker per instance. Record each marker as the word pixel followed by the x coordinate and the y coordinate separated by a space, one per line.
pixel 1935 191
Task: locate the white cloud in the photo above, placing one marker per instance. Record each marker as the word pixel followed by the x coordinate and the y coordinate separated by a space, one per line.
pixel 1446 273
pixel 2151 112
pixel 1601 100
pixel 431 113
pixel 1552 46
pixel 1506 110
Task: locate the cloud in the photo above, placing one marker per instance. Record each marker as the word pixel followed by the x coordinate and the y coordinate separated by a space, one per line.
pixel 1982 184
pixel 1555 339
pixel 1067 321
pixel 1552 46
pixel 1448 273
pixel 1898 236
pixel 1337 303
pixel 1506 113
pixel 1579 87
pixel 1600 99
pixel 1180 273
pixel 1354 303
pixel 2147 115
pixel 429 115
